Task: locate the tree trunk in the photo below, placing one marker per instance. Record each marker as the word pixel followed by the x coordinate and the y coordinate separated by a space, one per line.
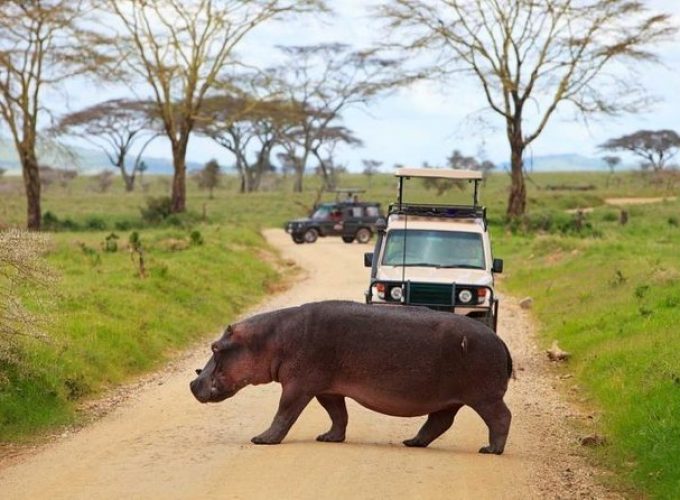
pixel 518 195
pixel 297 186
pixel 31 175
pixel 179 185
pixel 250 181
pixel 129 181
pixel 299 164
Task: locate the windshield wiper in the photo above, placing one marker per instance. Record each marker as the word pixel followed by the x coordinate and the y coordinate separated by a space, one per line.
pixel 459 266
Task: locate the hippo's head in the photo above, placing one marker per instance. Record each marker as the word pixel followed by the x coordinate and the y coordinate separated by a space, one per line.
pixel 232 366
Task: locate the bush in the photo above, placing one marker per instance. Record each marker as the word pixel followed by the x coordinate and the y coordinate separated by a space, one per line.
pixel 554 223
pixel 95 223
pixel 157 209
pixel 123 225
pixel 50 222
pixel 196 237
pixel 22 273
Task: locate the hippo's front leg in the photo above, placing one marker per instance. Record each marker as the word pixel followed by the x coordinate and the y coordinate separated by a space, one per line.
pixel 292 403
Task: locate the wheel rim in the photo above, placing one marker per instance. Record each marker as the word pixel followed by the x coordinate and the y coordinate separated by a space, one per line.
pixel 363 235
pixel 310 236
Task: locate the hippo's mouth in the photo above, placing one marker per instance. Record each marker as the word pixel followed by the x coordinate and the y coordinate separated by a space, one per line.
pixel 209 393
pixel 217 396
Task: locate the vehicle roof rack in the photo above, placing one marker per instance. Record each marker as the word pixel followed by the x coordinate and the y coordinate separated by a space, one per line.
pixel 448 211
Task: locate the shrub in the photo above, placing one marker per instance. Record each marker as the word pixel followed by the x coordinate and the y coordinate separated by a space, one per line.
pixel 554 223
pixel 111 243
pixel 95 223
pixel 22 274
pixel 196 237
pixel 123 225
pixel 50 222
pixel 157 209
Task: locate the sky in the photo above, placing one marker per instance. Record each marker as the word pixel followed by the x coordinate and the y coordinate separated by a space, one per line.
pixel 426 122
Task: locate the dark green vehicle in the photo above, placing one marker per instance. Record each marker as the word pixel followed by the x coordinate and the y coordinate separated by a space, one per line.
pixel 351 220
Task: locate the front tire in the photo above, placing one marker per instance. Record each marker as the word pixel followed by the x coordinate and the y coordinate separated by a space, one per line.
pixel 298 239
pixel 363 235
pixel 348 239
pixel 311 235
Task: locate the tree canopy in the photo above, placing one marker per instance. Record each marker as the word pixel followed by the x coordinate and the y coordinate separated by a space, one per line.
pixel 549 53
pixel 655 147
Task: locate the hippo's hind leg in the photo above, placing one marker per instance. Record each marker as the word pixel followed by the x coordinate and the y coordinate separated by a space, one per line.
pixel 497 417
pixel 437 424
pixel 335 406
pixel 292 402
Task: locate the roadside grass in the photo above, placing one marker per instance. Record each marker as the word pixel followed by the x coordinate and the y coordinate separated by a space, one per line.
pixel 614 303
pixel 609 293
pixel 107 324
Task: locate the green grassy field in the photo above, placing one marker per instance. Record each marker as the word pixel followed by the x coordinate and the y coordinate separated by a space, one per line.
pixel 610 294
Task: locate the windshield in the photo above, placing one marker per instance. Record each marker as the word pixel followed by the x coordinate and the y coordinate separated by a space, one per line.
pixel 429 248
pixel 322 212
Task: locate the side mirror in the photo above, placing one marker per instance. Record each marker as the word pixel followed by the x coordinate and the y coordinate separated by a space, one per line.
pixel 381 225
pixel 497 266
pixel 368 259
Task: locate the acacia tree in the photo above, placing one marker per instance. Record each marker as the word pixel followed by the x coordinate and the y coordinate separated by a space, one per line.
pixel 246 125
pixel 180 48
pixel 324 152
pixel 38 48
pixel 324 80
pixel 209 177
pixel 655 147
pixel 371 167
pixel 114 126
pixel 546 53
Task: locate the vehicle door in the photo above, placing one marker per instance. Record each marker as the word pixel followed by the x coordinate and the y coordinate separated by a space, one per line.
pixel 333 224
pixel 353 217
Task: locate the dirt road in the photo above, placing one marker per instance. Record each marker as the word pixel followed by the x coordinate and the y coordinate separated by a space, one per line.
pixel 161 443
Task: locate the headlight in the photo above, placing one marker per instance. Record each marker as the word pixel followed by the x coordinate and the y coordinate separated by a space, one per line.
pixel 465 296
pixel 396 293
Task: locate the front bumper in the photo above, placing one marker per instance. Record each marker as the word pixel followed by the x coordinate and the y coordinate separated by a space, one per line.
pixel 439 296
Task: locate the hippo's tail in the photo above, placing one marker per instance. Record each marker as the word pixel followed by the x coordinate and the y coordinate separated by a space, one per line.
pixel 511 371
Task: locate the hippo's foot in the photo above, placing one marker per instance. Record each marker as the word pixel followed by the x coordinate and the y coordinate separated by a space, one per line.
pixel 331 437
pixel 491 450
pixel 265 439
pixel 416 443
pixel 497 417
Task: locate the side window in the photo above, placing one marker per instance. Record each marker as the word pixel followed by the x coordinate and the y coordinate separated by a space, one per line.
pixel 357 212
pixel 372 211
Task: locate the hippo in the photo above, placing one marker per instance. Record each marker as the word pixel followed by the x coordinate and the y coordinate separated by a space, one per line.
pixel 398 360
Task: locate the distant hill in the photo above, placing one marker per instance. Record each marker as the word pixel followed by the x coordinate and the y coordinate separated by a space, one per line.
pixel 564 163
pixel 85 160
pixel 90 160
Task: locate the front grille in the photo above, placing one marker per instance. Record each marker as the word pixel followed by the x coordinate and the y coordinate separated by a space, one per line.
pixel 429 294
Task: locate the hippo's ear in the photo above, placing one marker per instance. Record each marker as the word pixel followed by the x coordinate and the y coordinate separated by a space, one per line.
pixel 219 345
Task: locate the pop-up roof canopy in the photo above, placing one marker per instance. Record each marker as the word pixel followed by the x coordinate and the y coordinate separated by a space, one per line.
pixel 441 173
pixel 438 173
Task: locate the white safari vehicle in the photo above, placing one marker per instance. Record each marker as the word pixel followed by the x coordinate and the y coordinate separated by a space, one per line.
pixel 437 256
